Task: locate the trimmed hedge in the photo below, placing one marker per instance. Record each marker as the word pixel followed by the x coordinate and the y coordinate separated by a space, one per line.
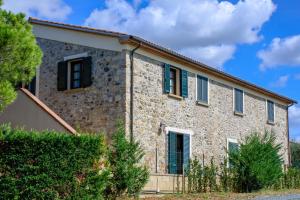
pixel 51 165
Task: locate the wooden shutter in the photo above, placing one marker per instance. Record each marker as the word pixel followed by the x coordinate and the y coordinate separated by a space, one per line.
pixel 186 151
pixel 172 165
pixel 238 99
pixel 167 78
pixel 62 75
pixel 86 77
pixel 270 111
pixel 184 83
pixel 202 89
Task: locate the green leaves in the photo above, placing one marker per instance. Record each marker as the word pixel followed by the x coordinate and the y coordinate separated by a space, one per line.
pixel 257 164
pixel 19 54
pixel 128 177
pixel 50 165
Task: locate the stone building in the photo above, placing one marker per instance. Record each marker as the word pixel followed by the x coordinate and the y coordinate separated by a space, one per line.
pixel 176 107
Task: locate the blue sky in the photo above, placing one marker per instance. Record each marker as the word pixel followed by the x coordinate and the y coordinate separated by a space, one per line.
pixel 256 40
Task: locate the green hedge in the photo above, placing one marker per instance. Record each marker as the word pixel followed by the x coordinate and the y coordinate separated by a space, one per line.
pixel 51 165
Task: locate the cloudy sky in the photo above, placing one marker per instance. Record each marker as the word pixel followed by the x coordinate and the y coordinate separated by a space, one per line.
pixel 256 40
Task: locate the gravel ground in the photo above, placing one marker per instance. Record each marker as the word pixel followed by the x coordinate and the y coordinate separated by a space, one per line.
pixel 281 197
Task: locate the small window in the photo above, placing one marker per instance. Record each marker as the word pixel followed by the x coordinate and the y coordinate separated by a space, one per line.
pixel 76 69
pixel 238 101
pixel 202 89
pixel 72 74
pixel 173 81
pixel 232 146
pixel 271 111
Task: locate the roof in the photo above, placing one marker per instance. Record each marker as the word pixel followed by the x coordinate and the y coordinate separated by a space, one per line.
pixel 134 40
pixel 48 111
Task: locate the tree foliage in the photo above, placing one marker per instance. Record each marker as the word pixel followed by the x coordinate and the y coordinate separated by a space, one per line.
pixel 295 153
pixel 128 176
pixel 19 54
pixel 257 164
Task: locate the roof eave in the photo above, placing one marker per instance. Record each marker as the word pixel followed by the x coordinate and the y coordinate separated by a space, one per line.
pixel 136 40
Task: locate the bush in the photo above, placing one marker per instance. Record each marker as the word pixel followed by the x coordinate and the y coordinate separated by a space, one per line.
pixel 295 153
pixel 128 177
pixel 51 165
pixel 257 164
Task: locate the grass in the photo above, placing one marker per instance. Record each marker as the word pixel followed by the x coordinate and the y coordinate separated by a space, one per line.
pixel 222 195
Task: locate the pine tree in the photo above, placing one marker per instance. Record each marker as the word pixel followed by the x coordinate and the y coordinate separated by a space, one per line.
pixel 19 54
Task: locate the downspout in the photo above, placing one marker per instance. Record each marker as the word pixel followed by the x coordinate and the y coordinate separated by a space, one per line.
pixel 288 135
pixel 131 90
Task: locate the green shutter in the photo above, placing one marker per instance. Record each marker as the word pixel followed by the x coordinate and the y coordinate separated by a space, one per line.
pixel 62 75
pixel 202 89
pixel 86 78
pixel 167 78
pixel 238 99
pixel 186 151
pixel 172 153
pixel 184 83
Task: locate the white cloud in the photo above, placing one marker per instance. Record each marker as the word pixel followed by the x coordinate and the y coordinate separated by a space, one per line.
pixel 294 116
pixel 191 27
pixel 281 52
pixel 49 9
pixel 281 82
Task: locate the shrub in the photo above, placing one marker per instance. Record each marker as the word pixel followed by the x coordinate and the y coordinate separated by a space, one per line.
pixel 257 164
pixel 295 153
pixel 128 177
pixel 51 165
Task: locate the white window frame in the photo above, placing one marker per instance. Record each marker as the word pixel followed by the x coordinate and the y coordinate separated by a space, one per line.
pixel 70 59
pixel 233 106
pixel 274 111
pixel 183 132
pixel 208 89
pixel 232 140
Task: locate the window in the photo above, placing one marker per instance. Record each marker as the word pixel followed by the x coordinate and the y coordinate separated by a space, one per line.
pixel 76 73
pixel 238 101
pixel 270 112
pixel 175 81
pixel 76 69
pixel 202 89
pixel 178 152
pixel 232 146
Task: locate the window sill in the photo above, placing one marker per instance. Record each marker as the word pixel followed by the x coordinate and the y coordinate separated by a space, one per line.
pixel 72 91
pixel 201 103
pixel 239 114
pixel 270 123
pixel 175 96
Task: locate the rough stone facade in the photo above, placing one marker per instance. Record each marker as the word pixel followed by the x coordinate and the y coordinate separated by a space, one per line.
pixel 97 108
pixel 211 125
pixel 93 109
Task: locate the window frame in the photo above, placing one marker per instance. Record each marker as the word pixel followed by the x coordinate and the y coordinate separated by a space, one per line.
pixel 208 90
pixel 177 91
pixel 72 64
pixel 230 140
pixel 237 112
pixel 267 112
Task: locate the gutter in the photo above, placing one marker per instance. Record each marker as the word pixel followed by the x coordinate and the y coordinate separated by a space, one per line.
pixel 131 89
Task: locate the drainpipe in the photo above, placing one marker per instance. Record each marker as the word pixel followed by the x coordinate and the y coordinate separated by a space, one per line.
pixel 131 90
pixel 288 134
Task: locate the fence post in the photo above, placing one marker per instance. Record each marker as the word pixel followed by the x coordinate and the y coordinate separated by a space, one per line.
pixel 183 180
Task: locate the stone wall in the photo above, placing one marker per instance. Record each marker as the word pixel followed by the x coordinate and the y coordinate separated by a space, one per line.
pixel 211 125
pixel 92 109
